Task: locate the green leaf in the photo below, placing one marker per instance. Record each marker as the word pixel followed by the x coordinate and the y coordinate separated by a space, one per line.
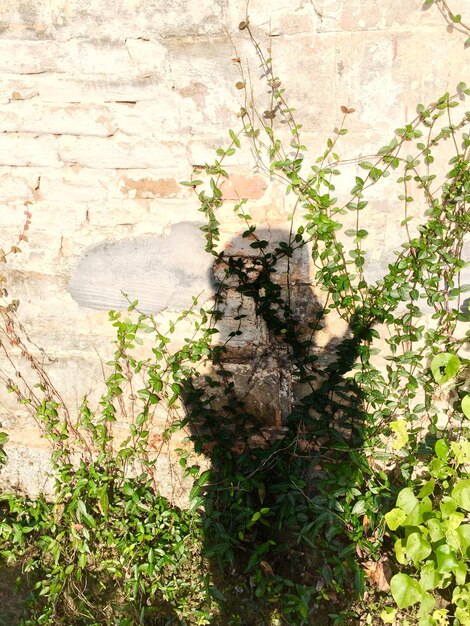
pixel 407 500
pixel 463 615
pixel 359 508
pixel 447 506
pixel 388 615
pixel 454 520
pixel 417 548
pixel 441 448
pixel 446 559
pixel 466 405
pixel 394 518
pixel 436 530
pixel 463 534
pixel 427 489
pixel 141 418
pixel 416 515
pixel 429 578
pixel 400 551
pixel 428 602
pixel 461 573
pixel 405 590
pixel 104 500
pixel 81 507
pixel 82 560
pixel 461 494
pixel 444 367
pixel 401 434
pixel 461 450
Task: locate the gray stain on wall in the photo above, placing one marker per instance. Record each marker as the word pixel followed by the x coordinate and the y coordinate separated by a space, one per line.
pixel 160 272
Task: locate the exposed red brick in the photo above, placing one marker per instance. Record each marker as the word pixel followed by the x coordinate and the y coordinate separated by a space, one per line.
pixel 241 186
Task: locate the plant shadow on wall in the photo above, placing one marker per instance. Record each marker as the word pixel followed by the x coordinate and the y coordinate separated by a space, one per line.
pixel 314 479
pixel 283 430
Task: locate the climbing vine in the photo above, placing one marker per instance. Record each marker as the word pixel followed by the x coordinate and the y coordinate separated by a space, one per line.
pixel 452 16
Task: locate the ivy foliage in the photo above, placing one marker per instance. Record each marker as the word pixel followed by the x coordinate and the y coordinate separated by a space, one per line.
pixel 430 521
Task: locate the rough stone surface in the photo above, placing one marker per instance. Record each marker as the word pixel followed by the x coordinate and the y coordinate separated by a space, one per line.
pixel 105 107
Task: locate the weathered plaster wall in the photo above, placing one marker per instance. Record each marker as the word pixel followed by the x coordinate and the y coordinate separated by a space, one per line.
pixel 105 106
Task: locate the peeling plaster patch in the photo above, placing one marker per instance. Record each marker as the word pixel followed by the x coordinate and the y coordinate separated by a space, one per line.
pixel 240 186
pixel 149 188
pixel 195 90
pixel 160 272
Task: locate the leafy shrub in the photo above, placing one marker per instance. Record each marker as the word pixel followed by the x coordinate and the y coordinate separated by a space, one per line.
pixel 431 520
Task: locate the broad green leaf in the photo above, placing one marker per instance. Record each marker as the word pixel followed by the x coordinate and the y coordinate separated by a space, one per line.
pixel 436 530
pixel 461 598
pixel 359 508
pixel 405 590
pixel 460 595
pixel 394 518
pixel 444 367
pixel 446 559
pixel 429 578
pixel 461 450
pixel 466 405
pixel 463 534
pixel 407 500
pixel 452 539
pixel 454 520
pixel 427 604
pixel 388 615
pixel 447 506
pixel 427 620
pixel 438 468
pixel 400 551
pixel 463 615
pixel 417 548
pixel 441 448
pixel 399 427
pixel 461 573
pixel 461 494
pixel 416 516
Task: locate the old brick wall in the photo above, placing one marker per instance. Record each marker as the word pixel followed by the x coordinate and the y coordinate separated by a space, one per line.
pixel 105 106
